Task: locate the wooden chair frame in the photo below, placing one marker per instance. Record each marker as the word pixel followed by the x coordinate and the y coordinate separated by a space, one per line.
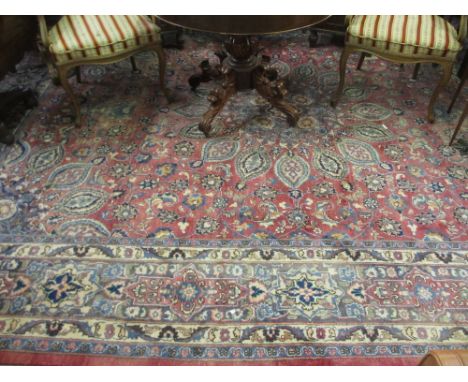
pixel 446 64
pixel 63 69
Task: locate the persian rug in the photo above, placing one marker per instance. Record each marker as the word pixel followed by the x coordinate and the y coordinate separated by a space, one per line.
pixel 135 240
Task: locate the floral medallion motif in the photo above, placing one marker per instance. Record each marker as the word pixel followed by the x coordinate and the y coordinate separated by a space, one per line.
pixel 187 293
pixel 418 289
pixel 292 170
pixel 220 149
pixel 357 152
pixel 330 164
pixel 307 294
pixel 252 163
pixel 60 287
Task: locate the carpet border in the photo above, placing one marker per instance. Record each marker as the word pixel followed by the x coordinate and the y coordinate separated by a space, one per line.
pixel 56 359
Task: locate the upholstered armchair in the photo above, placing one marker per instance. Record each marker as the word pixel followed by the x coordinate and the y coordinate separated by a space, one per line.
pixel 404 39
pixel 83 40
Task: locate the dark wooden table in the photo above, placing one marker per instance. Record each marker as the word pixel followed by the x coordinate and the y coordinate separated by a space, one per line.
pixel 242 67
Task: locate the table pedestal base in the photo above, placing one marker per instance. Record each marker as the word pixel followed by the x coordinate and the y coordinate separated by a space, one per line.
pixel 244 69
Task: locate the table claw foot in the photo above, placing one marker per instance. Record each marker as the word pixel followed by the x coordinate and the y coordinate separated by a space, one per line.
pixel 218 99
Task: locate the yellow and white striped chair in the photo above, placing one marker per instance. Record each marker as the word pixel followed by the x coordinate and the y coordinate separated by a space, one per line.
pixel 404 39
pixel 79 40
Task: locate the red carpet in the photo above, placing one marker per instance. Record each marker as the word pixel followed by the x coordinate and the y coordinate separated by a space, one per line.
pixel 135 240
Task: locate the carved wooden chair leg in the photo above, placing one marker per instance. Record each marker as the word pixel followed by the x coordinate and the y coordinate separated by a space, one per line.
pixel 343 60
pixel 78 74
pixel 459 125
pixel 62 73
pixel 416 71
pixel 447 67
pixel 457 92
pixel 162 72
pixel 361 60
pixel 134 65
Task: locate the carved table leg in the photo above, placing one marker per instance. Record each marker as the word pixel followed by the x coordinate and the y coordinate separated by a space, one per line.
pixel 273 89
pixel 218 99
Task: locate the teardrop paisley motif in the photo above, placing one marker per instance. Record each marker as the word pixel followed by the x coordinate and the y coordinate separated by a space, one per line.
pixel 17 153
pixel 373 133
pixel 46 158
pixel 330 164
pixel 292 170
pixel 84 228
pixel 252 163
pixel 357 152
pixel 69 175
pixel 217 150
pixel 82 202
pixel 370 111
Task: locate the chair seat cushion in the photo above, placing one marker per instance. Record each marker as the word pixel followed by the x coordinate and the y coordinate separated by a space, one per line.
pixel 93 37
pixel 412 36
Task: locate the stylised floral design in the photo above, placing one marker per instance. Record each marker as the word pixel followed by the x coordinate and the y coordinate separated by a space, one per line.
pixel 184 149
pixel 121 170
pixel 206 225
pixel 187 293
pixel 167 216
pixel 426 218
pixel 375 182
pixel 458 172
pixel 166 169
pixel 371 203
pixel 266 193
pixel 125 211
pixel 461 214
pixel 117 130
pixel 390 227
pixel 298 218
pixel 306 292
pixel 212 182
pixel 324 189
pixel 194 201
pixel 61 287
pixel 148 184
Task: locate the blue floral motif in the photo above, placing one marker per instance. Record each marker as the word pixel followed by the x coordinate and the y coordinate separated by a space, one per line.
pixel 60 287
pixel 305 292
pixel 188 291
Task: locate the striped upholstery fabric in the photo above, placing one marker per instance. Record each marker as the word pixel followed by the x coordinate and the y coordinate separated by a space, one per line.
pixel 412 36
pixel 91 37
